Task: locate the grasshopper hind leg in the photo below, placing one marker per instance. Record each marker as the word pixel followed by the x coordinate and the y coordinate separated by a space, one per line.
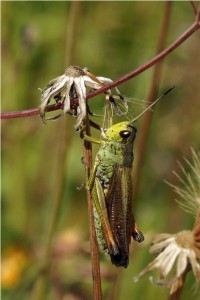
pixel 136 233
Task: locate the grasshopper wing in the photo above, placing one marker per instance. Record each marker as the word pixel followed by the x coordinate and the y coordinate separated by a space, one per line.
pixel 101 214
pixel 119 207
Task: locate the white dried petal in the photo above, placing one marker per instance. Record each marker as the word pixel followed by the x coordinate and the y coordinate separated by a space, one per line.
pixel 161 236
pixel 157 247
pixel 91 83
pixel 194 264
pixel 66 97
pixel 52 91
pixel 168 260
pixel 104 80
pixel 182 262
pixel 81 92
pixel 56 87
pixel 107 81
pixel 153 265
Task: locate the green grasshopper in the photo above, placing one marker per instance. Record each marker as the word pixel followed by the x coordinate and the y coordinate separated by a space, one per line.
pixel 110 184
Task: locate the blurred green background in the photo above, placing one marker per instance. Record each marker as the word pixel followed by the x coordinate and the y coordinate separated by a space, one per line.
pixel 111 39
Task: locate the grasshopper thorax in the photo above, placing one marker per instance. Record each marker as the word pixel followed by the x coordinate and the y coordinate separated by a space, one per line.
pixel 122 132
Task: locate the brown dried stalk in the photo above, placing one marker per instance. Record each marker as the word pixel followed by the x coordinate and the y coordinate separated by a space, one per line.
pixel 62 151
pixel 152 95
pixel 180 284
pixel 87 155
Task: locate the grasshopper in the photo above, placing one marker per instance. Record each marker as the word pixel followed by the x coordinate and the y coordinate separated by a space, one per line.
pixel 110 184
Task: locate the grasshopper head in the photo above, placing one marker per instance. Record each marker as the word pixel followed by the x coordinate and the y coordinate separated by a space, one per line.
pixel 122 132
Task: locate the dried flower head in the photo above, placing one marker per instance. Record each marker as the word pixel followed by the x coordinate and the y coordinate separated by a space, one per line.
pixel 174 251
pixel 72 84
pixel 176 254
pixel 189 192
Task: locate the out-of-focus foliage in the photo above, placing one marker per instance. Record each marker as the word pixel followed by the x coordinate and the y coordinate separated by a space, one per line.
pixel 112 39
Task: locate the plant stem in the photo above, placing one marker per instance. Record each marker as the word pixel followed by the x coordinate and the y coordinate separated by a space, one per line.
pixel 72 32
pixel 194 7
pixel 87 154
pixel 63 136
pixel 176 294
pixel 142 140
pixel 194 27
pixel 196 228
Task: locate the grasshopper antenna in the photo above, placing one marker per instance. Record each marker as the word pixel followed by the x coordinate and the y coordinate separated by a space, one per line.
pixel 153 103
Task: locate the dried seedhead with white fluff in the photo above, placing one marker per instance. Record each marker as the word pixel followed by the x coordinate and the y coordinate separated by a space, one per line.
pixel 72 84
pixel 176 254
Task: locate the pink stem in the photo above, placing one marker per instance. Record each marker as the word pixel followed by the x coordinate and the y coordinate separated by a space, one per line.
pixel 194 27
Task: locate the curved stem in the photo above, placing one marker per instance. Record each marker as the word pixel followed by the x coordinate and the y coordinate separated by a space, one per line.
pixel 194 27
pixel 152 95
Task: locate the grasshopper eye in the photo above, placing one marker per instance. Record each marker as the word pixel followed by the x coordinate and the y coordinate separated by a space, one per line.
pixel 125 134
